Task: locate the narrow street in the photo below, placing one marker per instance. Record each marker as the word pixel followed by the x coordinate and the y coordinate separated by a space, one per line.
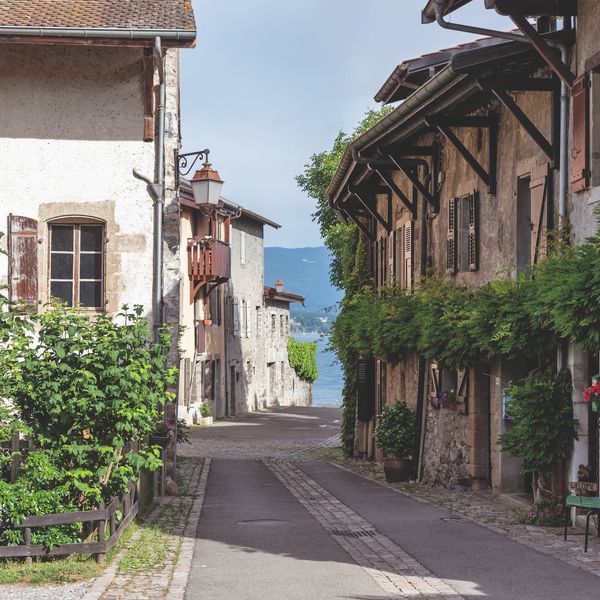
pixel 276 523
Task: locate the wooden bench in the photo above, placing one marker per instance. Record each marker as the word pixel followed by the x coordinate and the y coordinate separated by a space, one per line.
pixel 589 503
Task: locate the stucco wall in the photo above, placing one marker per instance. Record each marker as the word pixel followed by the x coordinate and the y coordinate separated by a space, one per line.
pixel 72 127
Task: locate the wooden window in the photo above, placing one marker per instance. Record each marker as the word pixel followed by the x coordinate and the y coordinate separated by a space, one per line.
pixel 381 385
pixel 77 264
pixel 235 317
pixel 462 246
pixel 273 324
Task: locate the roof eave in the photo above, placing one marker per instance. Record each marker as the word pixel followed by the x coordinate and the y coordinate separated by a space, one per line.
pixel 428 13
pixel 184 38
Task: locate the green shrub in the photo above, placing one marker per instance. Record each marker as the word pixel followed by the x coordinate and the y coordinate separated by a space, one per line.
pixel 205 410
pixel 302 357
pixel 85 388
pixel 544 429
pixel 396 431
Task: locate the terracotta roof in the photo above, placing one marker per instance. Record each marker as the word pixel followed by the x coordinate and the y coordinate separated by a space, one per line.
pixel 273 295
pixel 99 14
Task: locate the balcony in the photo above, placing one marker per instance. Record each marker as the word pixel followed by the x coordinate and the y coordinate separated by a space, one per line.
pixel 209 261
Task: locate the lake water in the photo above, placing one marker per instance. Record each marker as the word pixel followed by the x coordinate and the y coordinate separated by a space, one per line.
pixel 327 389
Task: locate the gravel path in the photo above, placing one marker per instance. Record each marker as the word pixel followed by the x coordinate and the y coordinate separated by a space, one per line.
pixel 73 591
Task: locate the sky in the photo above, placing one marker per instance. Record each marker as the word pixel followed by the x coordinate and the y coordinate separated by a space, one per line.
pixel 272 82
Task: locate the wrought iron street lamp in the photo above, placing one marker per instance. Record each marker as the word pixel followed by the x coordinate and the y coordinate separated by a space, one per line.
pixel 206 183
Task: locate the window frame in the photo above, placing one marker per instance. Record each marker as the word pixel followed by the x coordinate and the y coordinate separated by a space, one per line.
pixel 76 223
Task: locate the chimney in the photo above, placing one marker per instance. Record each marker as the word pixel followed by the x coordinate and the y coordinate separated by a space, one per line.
pixel 279 286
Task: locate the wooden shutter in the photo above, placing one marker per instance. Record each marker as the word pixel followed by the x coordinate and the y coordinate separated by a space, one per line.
pixel 581 133
pixel 200 337
pixel 243 247
pixel 23 261
pixel 365 389
pixel 235 306
pixel 407 255
pixel 473 233
pixel 434 381
pixel 451 254
pixel 247 308
pixel 539 212
pixel 462 390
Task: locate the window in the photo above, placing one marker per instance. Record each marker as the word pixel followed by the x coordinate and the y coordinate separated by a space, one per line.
pixel 77 264
pixel 462 241
pixel 273 323
pixel 282 325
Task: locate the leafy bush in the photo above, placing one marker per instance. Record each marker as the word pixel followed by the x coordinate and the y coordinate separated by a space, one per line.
pixel 302 357
pixel 544 429
pixel 205 410
pixel 396 431
pixel 90 392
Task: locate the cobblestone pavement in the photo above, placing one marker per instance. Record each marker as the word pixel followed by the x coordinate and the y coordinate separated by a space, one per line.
pixel 156 561
pixel 495 513
pixel 395 571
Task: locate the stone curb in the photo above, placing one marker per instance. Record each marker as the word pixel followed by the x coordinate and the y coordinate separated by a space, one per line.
pixel 183 567
pixel 574 562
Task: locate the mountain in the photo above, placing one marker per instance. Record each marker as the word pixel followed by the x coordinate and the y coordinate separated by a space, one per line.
pixel 303 271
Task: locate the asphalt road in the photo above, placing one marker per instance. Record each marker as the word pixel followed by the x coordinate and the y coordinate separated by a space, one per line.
pixel 257 541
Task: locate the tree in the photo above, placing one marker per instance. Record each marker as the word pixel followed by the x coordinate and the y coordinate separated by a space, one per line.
pixel 349 267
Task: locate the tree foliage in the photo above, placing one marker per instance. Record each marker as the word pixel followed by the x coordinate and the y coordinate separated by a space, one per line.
pixel 349 267
pixel 302 357
pixel 544 428
pixel 396 431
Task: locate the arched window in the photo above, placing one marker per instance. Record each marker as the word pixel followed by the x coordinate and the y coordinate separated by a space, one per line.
pixel 77 261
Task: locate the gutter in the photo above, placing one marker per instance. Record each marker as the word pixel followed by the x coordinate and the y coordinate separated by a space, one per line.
pixel 179 35
pixel 426 92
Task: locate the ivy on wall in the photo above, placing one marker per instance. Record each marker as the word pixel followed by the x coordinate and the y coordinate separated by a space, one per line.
pixel 302 357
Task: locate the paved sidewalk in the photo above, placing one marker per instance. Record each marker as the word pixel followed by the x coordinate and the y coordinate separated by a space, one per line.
pixel 495 513
pixel 154 564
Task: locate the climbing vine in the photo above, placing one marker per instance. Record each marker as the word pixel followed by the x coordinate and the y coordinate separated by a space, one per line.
pixel 302 357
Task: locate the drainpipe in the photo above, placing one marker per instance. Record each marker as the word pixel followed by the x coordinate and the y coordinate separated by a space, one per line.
pixel 159 201
pixel 564 95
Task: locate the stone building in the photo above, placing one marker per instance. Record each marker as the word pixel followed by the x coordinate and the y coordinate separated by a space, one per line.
pixel 463 179
pixel 233 345
pixel 79 114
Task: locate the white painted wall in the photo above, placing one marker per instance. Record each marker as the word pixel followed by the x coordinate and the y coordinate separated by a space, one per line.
pixel 71 128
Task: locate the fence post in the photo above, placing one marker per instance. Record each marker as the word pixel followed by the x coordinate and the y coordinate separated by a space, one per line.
pixel 15 463
pixel 101 525
pixel 27 537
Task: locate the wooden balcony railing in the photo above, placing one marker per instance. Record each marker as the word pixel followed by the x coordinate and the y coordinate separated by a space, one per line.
pixel 209 261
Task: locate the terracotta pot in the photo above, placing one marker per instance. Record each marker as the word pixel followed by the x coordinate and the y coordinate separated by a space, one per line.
pixel 397 469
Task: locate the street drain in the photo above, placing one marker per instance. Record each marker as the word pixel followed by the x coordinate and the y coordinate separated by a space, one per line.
pixel 263 522
pixel 354 534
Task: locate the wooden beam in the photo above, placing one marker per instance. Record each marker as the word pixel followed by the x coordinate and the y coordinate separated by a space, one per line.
pixel 359 195
pixel 465 153
pixel 520 84
pixel 458 121
pixel 359 224
pixel 548 53
pixel 388 180
pixel 525 122
pixel 416 182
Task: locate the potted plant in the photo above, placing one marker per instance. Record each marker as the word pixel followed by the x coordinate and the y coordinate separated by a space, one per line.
pixel 205 419
pixel 395 435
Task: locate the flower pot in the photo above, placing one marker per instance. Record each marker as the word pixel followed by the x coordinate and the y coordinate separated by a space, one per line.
pixel 397 469
pixel 161 440
pixel 205 421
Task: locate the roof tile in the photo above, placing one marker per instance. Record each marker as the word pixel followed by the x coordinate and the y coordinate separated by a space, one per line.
pixel 98 14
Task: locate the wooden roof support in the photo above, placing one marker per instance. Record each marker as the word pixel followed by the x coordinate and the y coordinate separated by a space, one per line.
pixel 405 165
pixel 444 125
pixel 536 135
pixel 547 52
pixel 355 219
pixel 388 180
pixel 359 194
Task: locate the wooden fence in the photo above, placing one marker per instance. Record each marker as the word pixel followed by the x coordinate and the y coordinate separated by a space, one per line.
pixel 127 503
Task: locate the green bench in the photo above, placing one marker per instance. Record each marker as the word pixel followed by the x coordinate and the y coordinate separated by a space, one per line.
pixel 589 503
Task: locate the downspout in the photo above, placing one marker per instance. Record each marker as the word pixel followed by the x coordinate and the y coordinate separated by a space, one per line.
pixel 159 200
pixel 564 95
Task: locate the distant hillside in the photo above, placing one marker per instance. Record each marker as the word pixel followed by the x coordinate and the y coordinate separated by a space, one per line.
pixel 303 271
